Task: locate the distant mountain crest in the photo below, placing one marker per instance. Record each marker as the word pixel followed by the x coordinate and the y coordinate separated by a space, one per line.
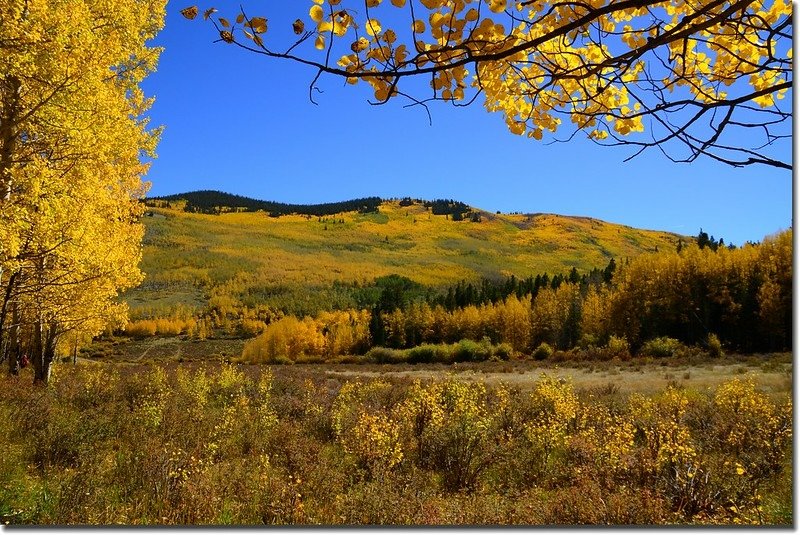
pixel 215 202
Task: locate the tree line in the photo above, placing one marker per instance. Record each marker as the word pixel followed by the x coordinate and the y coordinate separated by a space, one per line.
pixel 215 202
pixel 741 298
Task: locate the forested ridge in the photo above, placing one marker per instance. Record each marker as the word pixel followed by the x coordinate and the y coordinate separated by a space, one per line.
pixel 217 202
pixel 214 202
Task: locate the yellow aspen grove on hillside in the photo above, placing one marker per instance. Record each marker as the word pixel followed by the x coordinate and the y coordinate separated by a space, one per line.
pixel 706 78
pixel 72 138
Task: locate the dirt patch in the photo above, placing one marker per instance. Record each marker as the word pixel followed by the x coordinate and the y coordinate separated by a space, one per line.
pixel 164 349
pixel 624 379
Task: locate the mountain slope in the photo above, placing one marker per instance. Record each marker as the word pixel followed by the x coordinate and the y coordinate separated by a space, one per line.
pixel 232 258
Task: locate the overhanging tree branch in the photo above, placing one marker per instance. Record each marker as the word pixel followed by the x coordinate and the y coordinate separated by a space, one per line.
pixel 610 67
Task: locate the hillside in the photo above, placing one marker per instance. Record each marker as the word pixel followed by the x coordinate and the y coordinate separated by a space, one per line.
pixel 194 259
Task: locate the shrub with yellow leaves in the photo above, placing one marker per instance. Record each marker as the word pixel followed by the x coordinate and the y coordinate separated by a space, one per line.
pixel 607 438
pixel 448 424
pixel 374 440
pixel 661 420
pixel 555 408
pixel 353 398
pixel 752 430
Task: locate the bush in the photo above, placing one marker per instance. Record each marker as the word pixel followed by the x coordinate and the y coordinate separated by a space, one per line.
pixel 250 328
pixel 588 341
pixel 663 346
pixel 463 351
pixel 424 353
pixel 288 338
pixel 468 350
pixel 503 351
pixel 385 355
pixel 714 345
pixel 618 347
pixel 543 351
pixel 169 327
pixel 141 328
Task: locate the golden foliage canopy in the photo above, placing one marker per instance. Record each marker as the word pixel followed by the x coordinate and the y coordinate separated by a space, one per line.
pixel 690 78
pixel 72 138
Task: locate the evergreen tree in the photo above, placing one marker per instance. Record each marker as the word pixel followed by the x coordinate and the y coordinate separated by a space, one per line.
pixel 608 273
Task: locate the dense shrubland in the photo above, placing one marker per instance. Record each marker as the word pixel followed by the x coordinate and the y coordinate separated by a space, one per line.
pixel 237 445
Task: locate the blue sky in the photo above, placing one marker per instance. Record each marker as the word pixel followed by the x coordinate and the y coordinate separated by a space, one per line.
pixel 244 124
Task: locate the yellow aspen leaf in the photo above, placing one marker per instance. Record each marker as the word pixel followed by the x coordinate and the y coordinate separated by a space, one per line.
pixel 498 6
pixel 372 27
pixel 373 3
pixel 189 12
pixel 316 13
pixel 437 19
pixel 382 93
pixel 360 45
pixel 239 18
pixel 226 36
pixel 400 54
pixel 208 12
pixel 472 15
pixel 418 26
pixel 224 22
pixel 258 24
pixel 389 36
pixel 516 127
pixel 298 26
pixel 319 42
pixel 340 27
pixel 398 3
